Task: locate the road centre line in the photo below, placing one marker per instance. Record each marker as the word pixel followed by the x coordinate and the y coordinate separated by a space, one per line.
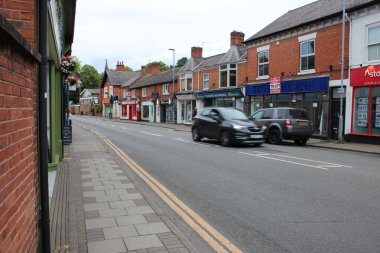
pixel 281 160
pixel 216 240
pixel 150 134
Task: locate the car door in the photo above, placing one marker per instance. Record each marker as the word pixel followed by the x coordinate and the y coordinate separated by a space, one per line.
pixel 201 122
pixel 257 116
pixel 214 124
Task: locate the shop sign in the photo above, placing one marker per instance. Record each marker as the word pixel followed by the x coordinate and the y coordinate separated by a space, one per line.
pixel 67 135
pixel 365 76
pixel 154 94
pixel 220 94
pixel 274 85
pixel 185 97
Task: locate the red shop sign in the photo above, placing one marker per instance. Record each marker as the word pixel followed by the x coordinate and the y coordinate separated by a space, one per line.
pixel 365 76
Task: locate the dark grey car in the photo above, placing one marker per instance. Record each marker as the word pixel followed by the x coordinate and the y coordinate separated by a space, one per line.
pixel 285 123
pixel 227 125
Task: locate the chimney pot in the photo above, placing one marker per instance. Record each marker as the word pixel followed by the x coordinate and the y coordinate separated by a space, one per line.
pixel 237 38
pixel 120 66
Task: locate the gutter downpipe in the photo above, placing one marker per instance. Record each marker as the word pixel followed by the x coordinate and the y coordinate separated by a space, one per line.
pixel 42 127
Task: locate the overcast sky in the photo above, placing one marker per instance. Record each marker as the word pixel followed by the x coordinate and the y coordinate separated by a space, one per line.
pixel 139 32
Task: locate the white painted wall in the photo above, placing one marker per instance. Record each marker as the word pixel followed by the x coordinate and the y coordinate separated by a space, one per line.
pixel 360 22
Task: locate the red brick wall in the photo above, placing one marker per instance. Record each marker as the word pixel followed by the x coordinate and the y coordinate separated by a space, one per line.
pixel 285 57
pixel 19 188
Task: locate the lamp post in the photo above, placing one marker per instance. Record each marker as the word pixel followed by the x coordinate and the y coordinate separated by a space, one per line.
pixel 171 49
pixel 340 134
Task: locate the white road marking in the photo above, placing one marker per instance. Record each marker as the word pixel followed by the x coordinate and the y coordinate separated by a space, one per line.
pixel 191 142
pixel 150 134
pixel 309 160
pixel 123 128
pixel 281 160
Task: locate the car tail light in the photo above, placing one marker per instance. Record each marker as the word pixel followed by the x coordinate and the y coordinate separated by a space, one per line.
pixel 288 122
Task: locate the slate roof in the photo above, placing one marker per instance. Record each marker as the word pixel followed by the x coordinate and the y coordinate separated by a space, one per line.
pixel 235 54
pixel 118 78
pixel 190 65
pixel 161 77
pixel 309 13
pixel 93 91
pixel 209 62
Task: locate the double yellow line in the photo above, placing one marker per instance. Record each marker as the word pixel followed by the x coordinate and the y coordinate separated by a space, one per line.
pixel 216 240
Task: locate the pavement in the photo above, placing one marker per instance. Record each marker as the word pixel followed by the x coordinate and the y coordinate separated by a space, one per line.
pixel 117 215
pixel 320 143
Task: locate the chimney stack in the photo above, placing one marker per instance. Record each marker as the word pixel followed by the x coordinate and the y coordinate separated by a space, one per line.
pixel 154 68
pixel 143 70
pixel 196 52
pixel 120 66
pixel 237 38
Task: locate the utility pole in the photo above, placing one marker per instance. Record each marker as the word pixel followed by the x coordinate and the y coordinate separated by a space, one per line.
pixel 340 135
pixel 171 49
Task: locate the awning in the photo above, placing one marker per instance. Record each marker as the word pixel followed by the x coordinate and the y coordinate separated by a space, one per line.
pixel 185 97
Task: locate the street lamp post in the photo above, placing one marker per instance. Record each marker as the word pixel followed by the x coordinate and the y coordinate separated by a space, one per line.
pixel 171 49
pixel 340 135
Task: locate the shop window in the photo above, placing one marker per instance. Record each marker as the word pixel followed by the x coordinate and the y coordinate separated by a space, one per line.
pixel 373 42
pixel 360 124
pixel 225 102
pixel 375 112
pixel 228 76
pixel 206 81
pixel 263 63
pixel 165 88
pixel 143 92
pixel 307 55
pixel 133 93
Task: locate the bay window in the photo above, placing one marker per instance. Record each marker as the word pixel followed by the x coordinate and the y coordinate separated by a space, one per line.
pixel 227 76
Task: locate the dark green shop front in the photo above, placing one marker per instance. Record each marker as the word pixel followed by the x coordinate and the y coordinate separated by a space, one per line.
pixel 310 94
pixel 221 98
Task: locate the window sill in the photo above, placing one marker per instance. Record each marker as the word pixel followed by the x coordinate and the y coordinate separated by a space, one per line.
pixel 262 77
pixel 306 72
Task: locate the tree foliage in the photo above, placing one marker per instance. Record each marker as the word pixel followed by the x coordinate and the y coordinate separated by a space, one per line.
pixel 89 76
pixel 163 66
pixel 181 62
pixel 126 68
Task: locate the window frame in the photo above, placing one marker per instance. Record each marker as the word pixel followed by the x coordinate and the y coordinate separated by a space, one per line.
pixel 105 92
pixel 133 93
pixel 208 81
pixel 309 70
pixel 228 70
pixel 165 89
pixel 262 64
pixel 183 82
pixel 110 91
pixel 143 92
pixel 367 42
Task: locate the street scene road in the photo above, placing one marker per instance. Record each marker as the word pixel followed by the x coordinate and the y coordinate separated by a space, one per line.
pixel 274 198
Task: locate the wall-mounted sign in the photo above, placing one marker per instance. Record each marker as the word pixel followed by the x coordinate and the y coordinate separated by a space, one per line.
pixel 154 94
pixel 365 76
pixel 67 135
pixel 274 85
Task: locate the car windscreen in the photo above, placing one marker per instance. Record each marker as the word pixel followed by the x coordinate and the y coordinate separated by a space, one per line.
pixel 232 114
pixel 298 114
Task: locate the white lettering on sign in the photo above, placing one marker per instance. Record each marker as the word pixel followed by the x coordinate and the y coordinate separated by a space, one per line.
pixel 372 74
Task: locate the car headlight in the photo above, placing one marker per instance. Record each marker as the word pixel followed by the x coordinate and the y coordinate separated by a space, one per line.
pixel 238 127
pixel 264 127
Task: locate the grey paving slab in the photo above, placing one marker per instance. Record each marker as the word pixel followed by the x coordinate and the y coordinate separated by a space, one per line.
pixel 142 242
pixel 119 178
pixel 107 198
pixel 93 183
pixel 124 186
pixel 103 187
pixel 139 210
pixel 96 206
pixel 91 176
pixel 120 232
pixel 130 220
pixel 111 182
pixel 107 246
pixel 116 191
pixel 100 223
pixel 152 228
pixel 94 193
pixel 112 212
pixel 124 203
pixel 130 196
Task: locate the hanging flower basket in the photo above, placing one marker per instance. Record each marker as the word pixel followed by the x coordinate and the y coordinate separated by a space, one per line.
pixel 72 80
pixel 68 64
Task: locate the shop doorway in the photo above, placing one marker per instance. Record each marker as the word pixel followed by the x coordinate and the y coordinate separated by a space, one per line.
pixel 334 113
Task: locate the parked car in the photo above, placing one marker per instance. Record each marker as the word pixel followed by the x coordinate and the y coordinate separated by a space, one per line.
pixel 285 123
pixel 227 125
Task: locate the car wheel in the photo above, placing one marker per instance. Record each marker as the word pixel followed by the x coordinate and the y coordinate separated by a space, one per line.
pixel 195 134
pixel 300 142
pixel 225 139
pixel 274 136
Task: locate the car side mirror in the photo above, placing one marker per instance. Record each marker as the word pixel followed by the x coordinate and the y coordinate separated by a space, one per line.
pixel 215 117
